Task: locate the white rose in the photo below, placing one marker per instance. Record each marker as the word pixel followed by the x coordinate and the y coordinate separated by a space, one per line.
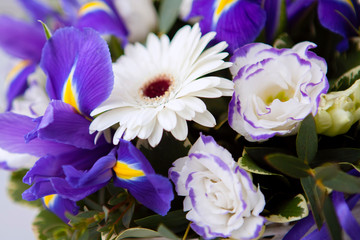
pixel 275 89
pixel 220 196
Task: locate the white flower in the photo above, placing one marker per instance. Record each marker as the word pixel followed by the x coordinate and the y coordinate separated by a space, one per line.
pixel 158 87
pixel 35 99
pixel 220 196
pixel 140 17
pixel 275 89
pixel 338 111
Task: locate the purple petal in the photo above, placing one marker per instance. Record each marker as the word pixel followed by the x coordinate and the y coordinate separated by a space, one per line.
pixel 64 189
pixel 135 173
pixel 346 219
pixel 79 69
pixel 13 129
pixel 273 12
pixel 102 16
pixel 153 191
pixel 38 190
pixel 340 17
pixel 300 228
pixel 101 172
pixel 21 39
pixel 296 9
pixel 61 123
pixel 38 10
pixel 18 80
pixel 60 206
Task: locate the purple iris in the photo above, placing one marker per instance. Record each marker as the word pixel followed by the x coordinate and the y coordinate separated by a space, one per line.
pixel 237 22
pixel 25 40
pixel 71 166
pixel 341 17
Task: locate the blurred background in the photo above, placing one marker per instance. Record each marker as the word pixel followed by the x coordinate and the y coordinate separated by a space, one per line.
pixel 15 220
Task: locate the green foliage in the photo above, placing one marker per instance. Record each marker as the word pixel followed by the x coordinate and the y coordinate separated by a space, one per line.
pixel 16 187
pixel 286 209
pixel 46 30
pixel 307 141
pixel 289 165
pixel 168 13
pixel 47 226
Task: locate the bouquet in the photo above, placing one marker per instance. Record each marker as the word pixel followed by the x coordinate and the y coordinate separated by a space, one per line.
pixel 203 119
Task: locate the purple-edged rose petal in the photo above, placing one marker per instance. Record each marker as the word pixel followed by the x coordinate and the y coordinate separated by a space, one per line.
pixel 21 39
pixel 78 66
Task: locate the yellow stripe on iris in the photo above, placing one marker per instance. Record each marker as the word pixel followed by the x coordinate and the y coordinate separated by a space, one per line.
pixel 49 199
pixel 92 7
pixel 15 71
pixel 125 171
pixel 221 6
pixel 69 92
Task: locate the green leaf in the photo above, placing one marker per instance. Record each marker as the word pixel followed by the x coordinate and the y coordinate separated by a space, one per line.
pixel 174 220
pixel 46 30
pixel 47 226
pixel 350 155
pixel 165 232
pixel 128 216
pixel 115 48
pixel 168 13
pixel 287 210
pixel 347 79
pixel 288 165
pixel 343 182
pixel 249 165
pixel 306 140
pixel 316 196
pixel 138 233
pixel 332 220
pixel 283 41
pixel 16 187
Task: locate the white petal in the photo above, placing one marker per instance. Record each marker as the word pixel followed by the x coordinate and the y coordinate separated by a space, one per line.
pixel 167 119
pixel 146 130
pixel 156 135
pixel 206 119
pixel 180 132
pixel 175 105
pixel 198 85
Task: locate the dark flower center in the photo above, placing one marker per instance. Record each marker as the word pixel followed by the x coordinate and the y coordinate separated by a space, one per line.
pixel 157 88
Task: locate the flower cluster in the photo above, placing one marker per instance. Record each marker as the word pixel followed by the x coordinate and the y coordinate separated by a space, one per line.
pixel 199 118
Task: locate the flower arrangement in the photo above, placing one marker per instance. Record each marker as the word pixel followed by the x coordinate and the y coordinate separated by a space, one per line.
pixel 193 119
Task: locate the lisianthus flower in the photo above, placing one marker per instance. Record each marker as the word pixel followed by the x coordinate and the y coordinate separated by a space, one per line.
pixel 237 22
pixel 338 111
pixel 275 89
pixel 158 87
pixel 220 197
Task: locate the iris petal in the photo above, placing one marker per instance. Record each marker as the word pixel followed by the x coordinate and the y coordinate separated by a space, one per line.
pixel 78 65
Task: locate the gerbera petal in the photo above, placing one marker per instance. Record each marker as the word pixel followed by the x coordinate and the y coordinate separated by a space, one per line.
pixel 180 132
pixel 156 135
pixel 162 81
pixel 21 39
pixel 78 65
pixel 206 119
pixel 101 16
pixel 167 119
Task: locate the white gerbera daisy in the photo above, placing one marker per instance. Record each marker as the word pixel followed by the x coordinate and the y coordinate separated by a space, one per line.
pixel 158 87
